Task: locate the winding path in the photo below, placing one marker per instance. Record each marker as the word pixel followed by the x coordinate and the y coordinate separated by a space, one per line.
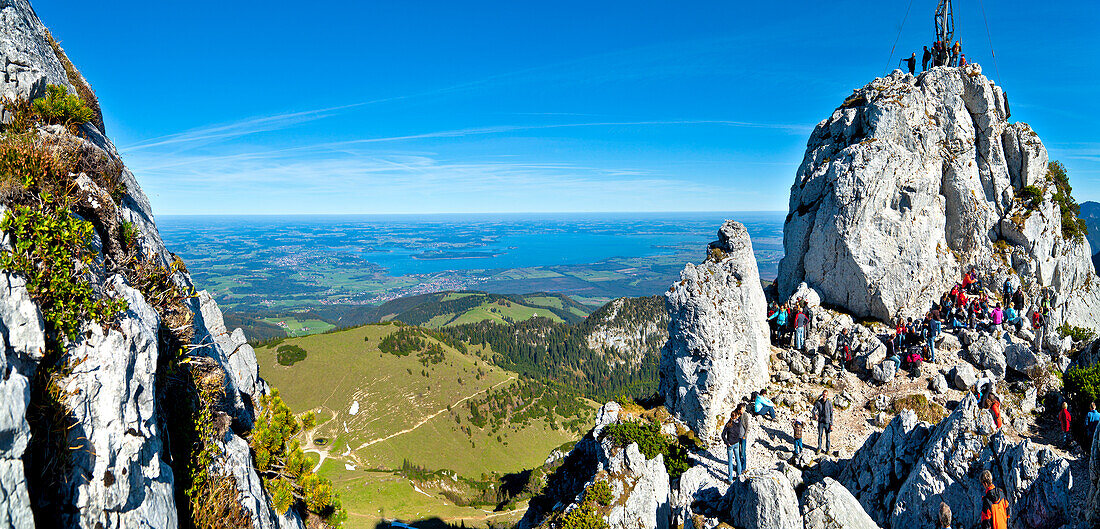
pixel 434 415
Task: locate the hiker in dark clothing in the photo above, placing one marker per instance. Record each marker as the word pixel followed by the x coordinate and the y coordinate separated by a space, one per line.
pixel 931 332
pixel 911 62
pixel 734 437
pixel 1018 298
pixel 823 413
pixel 844 348
pixel 924 59
pixel 995 510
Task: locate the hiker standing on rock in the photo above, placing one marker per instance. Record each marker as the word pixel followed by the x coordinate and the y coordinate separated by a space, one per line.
pixel 734 437
pixel 796 426
pixel 800 323
pixel 1091 420
pixel 924 59
pixel 1065 421
pixel 1039 326
pixel 931 332
pixel 823 414
pixel 995 511
pixel 844 348
pixel 911 62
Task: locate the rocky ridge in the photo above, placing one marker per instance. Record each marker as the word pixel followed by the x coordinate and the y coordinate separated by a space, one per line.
pixel 121 472
pixel 893 183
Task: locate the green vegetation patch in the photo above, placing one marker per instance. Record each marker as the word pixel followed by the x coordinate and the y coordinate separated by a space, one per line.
pixel 1079 334
pixel 650 442
pixel 288 355
pixel 1073 226
pixel 1082 385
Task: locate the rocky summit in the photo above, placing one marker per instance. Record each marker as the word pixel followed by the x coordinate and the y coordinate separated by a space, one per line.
pixel 913 181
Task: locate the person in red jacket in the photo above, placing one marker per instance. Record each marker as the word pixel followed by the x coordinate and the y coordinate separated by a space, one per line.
pixel 995 510
pixel 1064 421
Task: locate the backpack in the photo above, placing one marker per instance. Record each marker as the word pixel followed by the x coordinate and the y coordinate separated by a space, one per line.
pixel 995 509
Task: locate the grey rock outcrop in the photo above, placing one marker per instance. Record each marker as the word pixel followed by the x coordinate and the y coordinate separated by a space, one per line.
pixel 765 500
pixel 883 462
pixel 913 181
pixel 641 487
pixel 987 352
pixel 828 505
pixel 23 339
pixel 718 346
pixel 121 449
pixel 120 474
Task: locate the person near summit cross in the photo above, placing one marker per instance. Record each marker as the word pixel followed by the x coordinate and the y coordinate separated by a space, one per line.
pixel 924 59
pixel 911 62
pixel 995 510
pixel 734 437
pixel 962 60
pixel 1065 421
pixel 823 413
pixel 956 53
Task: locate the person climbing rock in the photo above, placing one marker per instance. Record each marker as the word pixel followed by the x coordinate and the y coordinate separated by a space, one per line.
pixel 995 409
pixel 943 521
pixel 1013 319
pixel 823 414
pixel 924 59
pixel 1065 421
pixel 762 405
pixel 733 437
pixel 995 510
pixel 796 426
pixel 911 62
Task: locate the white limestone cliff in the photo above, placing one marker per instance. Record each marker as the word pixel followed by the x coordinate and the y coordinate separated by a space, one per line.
pixel 914 180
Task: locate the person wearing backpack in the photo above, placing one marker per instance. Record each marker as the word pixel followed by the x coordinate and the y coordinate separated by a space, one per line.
pixel 995 510
pixel 844 348
pixel 800 323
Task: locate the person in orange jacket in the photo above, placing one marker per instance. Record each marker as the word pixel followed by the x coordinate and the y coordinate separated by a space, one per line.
pixel 1064 420
pixel 995 510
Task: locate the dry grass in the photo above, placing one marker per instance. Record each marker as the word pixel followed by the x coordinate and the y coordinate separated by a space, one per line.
pixel 925 409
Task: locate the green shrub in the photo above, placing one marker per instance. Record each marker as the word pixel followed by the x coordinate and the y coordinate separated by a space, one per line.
pixel 284 467
pixel 59 107
pixel 49 247
pixel 651 442
pixel 1073 227
pixel 288 355
pixel 1082 385
pixel 1079 334
pixel 403 342
pixel 583 517
pixel 1032 196
pixel 599 492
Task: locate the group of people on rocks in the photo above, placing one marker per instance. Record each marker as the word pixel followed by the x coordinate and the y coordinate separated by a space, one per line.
pixel 789 324
pixel 941 54
pixel 737 431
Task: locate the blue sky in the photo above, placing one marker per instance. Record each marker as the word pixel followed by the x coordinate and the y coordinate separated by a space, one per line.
pixel 277 107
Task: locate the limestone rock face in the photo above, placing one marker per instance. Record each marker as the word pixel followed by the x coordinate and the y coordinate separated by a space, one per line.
pixel 882 463
pixel 122 451
pixel 718 345
pixel 120 475
pixel 913 181
pixel 987 352
pixel 641 486
pixel 828 505
pixel 766 500
pixel 23 339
